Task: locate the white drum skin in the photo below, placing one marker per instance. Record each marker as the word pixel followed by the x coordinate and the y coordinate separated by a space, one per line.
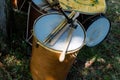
pixel 46 23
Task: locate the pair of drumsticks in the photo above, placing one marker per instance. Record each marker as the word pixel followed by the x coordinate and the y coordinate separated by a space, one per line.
pixel 59 30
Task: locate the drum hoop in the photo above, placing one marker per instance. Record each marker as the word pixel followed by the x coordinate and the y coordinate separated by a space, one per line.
pixel 96 18
pixel 53 50
pixel 93 16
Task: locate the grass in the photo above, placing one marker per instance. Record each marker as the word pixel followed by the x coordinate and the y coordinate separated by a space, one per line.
pixel 101 62
pixel 107 54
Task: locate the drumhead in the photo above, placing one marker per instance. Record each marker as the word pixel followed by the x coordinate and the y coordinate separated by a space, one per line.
pixel 97 31
pixel 45 24
pixel 39 3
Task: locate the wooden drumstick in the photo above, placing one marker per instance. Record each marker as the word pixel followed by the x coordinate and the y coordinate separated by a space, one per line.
pixel 62 56
pixel 57 36
pixel 58 28
pixel 53 41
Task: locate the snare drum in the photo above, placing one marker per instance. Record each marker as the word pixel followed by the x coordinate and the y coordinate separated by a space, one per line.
pixel 45 63
pixel 97 27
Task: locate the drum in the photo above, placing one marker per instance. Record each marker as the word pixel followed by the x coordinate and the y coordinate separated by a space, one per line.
pixel 45 64
pixel 33 13
pixel 97 28
pixel 36 8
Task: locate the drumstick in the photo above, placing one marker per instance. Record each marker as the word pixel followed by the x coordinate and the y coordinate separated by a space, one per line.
pixel 57 36
pixel 58 28
pixel 62 56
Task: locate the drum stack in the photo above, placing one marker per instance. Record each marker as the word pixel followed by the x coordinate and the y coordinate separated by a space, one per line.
pixel 56 35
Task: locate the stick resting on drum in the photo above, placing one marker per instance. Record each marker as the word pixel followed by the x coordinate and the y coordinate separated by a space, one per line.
pixel 57 29
pixel 58 35
pixel 71 29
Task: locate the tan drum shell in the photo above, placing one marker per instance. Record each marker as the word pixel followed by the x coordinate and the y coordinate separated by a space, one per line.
pixel 45 63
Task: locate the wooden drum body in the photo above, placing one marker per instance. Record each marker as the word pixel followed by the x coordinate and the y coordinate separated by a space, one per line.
pixel 45 64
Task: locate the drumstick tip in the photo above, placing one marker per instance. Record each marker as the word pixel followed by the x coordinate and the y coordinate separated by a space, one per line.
pixel 62 57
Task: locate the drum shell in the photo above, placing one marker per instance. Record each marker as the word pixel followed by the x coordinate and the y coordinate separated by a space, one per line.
pixel 45 64
pixel 33 14
pixel 86 20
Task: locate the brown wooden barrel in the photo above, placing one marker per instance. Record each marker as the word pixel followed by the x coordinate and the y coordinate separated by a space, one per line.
pixel 46 66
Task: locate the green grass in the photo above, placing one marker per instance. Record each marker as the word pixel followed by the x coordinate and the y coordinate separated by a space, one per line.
pixel 105 56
